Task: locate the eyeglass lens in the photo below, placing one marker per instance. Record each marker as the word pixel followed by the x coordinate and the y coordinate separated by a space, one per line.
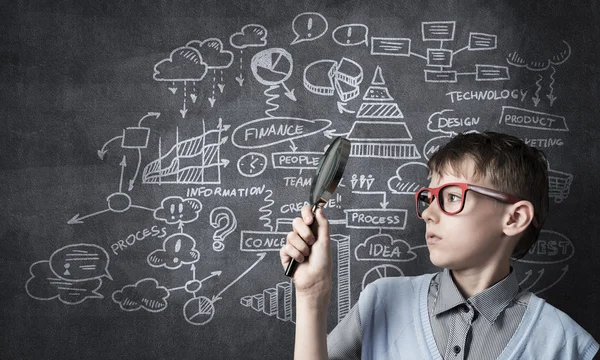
pixel 450 199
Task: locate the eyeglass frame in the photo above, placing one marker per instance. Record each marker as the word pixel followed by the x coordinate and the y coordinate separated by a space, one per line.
pixel 491 193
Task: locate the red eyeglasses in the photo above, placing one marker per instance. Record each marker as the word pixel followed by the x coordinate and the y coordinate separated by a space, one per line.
pixel 451 198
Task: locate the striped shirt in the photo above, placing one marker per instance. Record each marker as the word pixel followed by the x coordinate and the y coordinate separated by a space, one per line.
pixel 475 328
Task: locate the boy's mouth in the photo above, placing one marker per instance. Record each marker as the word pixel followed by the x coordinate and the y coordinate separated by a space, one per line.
pixel 432 238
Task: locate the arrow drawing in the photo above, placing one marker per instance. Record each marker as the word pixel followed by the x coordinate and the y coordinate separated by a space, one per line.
pixel 289 93
pixel 103 151
pixel 123 164
pixel 383 204
pixel 79 220
pixel 260 257
pixel 149 114
pixel 342 109
pixel 137 169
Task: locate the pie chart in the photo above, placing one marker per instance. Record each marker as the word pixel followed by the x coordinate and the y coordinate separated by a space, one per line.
pixel 381 271
pixel 272 66
pixel 199 310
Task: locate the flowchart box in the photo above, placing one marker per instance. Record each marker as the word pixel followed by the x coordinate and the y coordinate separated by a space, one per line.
pixel 376 218
pixel 438 30
pixel 441 76
pixel 481 41
pixel 390 46
pixel 439 57
pixel 491 73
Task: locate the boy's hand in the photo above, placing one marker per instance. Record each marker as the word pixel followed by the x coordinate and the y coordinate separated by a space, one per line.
pixel 312 277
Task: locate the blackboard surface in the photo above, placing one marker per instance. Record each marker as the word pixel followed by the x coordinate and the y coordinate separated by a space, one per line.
pixel 153 155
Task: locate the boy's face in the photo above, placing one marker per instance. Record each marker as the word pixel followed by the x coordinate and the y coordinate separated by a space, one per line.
pixel 473 237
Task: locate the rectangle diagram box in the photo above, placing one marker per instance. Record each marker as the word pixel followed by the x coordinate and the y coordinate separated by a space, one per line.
pixel 444 76
pixel 296 160
pixel 376 218
pixel 438 30
pixel 514 116
pixel 135 138
pixel 491 73
pixel 390 46
pixel 439 57
pixel 262 240
pixel 481 41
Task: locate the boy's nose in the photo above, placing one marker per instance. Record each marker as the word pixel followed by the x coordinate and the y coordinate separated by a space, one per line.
pixel 432 211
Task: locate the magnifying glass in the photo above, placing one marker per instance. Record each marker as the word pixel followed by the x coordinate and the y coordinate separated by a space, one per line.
pixel 326 179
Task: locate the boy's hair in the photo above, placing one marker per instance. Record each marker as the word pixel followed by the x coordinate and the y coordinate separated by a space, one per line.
pixel 509 164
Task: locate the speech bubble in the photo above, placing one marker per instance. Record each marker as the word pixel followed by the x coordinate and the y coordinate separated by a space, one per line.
pixel 80 262
pixel 351 34
pixel 43 285
pixel 309 26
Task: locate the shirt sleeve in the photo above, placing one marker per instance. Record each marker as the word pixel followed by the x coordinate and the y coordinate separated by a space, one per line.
pixel 345 340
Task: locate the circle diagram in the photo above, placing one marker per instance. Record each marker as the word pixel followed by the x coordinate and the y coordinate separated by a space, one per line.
pixel 272 66
pixel 199 310
pixel 381 271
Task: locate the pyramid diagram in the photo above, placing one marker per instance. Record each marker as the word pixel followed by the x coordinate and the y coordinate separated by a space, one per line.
pixel 379 133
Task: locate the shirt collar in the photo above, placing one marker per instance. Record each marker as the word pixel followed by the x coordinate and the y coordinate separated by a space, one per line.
pixel 489 302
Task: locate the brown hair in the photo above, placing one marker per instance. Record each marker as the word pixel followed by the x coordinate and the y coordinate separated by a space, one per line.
pixel 509 164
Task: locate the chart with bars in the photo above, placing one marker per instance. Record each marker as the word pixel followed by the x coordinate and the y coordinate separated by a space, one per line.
pixel 192 161
pixel 277 301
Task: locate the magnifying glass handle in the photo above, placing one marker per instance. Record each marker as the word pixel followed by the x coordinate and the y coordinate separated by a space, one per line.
pixel 293 264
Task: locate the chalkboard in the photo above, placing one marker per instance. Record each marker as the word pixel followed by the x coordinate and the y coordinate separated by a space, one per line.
pixel 154 154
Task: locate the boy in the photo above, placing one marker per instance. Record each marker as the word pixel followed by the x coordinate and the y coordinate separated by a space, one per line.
pixel 486 202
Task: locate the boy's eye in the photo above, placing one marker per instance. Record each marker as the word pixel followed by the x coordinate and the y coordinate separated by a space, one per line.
pixel 453 197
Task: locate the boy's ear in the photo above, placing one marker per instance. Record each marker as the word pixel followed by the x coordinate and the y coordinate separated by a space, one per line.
pixel 519 216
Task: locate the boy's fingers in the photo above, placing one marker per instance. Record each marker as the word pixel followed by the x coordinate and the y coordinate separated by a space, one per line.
pixel 307 214
pixel 298 243
pixel 290 252
pixel 303 230
pixel 323 229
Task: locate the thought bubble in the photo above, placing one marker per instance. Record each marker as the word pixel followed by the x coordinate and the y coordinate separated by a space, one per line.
pixel 540 55
pixel 351 34
pixel 184 64
pixel 80 262
pixel 251 35
pixel 409 178
pixel 383 247
pixel 177 210
pixel 45 285
pixel 178 249
pixel 145 294
pixel 212 53
pixel 309 26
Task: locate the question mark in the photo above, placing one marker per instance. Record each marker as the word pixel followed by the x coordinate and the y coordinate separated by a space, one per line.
pixel 218 216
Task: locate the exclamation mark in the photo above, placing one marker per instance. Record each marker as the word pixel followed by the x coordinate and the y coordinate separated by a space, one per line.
pixel 309 26
pixel 177 248
pixel 349 34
